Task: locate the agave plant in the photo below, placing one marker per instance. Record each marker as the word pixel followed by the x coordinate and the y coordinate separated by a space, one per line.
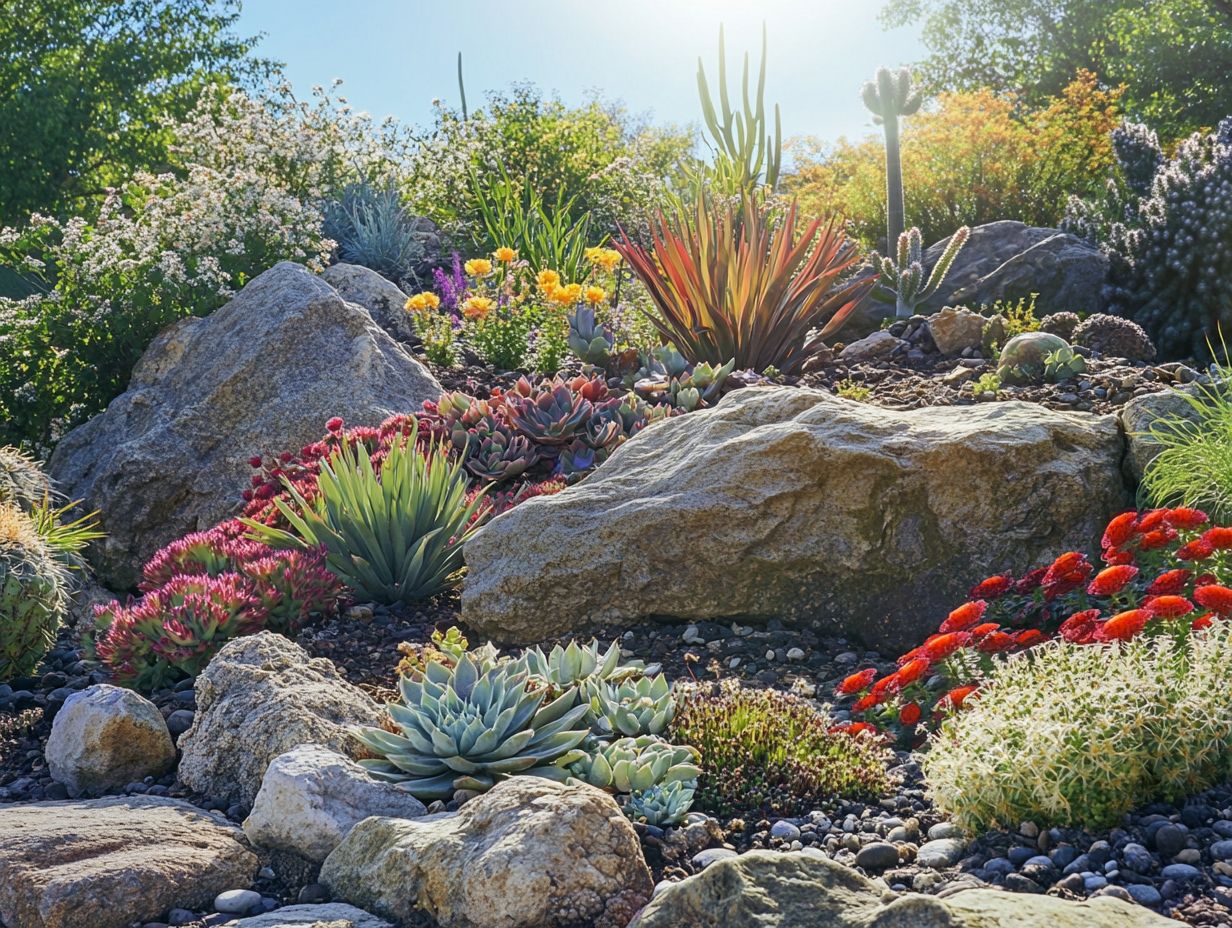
pixel 665 804
pixel 463 727
pixel 746 286
pixel 631 765
pixel 632 707
pixel 395 537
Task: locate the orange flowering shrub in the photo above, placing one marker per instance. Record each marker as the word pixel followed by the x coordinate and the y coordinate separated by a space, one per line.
pixel 1167 572
pixel 973 158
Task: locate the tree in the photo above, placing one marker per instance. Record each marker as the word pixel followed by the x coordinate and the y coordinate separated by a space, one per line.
pixel 1172 55
pixel 85 87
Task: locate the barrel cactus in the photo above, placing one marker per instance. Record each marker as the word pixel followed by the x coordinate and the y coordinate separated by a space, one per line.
pixel 33 594
pixel 1115 337
pixel 1024 359
pixel 1060 324
pixel 22 482
pixel 464 727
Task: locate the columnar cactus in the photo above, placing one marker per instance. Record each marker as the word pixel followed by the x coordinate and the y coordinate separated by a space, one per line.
pixel 890 96
pixel 33 594
pixel 903 276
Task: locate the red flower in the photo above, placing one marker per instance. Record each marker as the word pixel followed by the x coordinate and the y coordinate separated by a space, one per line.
pixel 911 655
pixel 964 616
pixel 986 629
pixel 856 682
pixel 854 729
pixel 939 647
pixel 993 587
pixel 910 713
pixel 1160 538
pixel 1168 607
pixel 1111 580
pixel 1197 550
pixel 1149 521
pixel 1186 518
pixel 1206 580
pixel 1215 597
pixel 915 670
pixel 1124 625
pixel 334 424
pixel 1219 538
pixel 864 703
pixel 1030 583
pixel 885 686
pixel 955 698
pixel 1203 621
pixel 997 642
pixel 1170 582
pixel 1029 638
pixel 255 461
pixel 1068 572
pixel 1080 628
pixel 1120 530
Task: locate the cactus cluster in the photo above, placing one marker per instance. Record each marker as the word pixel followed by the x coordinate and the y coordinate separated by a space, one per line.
pixel 902 277
pixel 1166 226
pixel 1060 324
pixel 1036 357
pixel 1114 337
pixel 33 594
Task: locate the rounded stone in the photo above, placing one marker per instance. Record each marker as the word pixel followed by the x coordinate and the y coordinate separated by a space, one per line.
pixel 236 901
pixel 877 856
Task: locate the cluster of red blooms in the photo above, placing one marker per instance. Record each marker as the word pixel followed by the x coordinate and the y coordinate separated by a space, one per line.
pixel 302 467
pixel 200 592
pixel 1163 576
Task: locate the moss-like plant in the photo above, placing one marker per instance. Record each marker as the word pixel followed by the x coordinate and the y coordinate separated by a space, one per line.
pixel 1079 735
pixel 766 752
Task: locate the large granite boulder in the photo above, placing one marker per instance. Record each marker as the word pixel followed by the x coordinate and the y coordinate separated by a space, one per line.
pixel 1143 413
pixel 764 889
pixel 795 504
pixel 104 737
pixel 261 696
pixel 382 298
pixel 262 374
pixel 107 863
pixel 1008 260
pixel 531 853
pixel 311 797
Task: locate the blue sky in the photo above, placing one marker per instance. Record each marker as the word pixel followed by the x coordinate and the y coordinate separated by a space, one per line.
pixel 395 56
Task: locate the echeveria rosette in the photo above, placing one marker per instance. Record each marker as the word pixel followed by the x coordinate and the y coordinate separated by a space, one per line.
pixel 467 728
pixel 1164 575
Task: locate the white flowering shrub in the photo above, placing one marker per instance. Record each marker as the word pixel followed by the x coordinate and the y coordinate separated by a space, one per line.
pixel 1079 735
pixel 248 190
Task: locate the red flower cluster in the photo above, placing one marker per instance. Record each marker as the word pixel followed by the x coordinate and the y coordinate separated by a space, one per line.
pixel 1163 576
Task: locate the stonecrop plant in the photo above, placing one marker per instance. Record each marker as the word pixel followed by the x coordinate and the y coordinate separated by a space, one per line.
pixel 1078 736
pixel 200 592
pixel 1164 577
pixel 772 753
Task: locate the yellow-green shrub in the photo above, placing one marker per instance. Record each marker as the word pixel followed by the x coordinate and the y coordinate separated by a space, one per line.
pixel 970 159
pixel 1079 735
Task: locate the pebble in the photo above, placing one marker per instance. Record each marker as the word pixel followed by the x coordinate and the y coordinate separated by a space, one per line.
pixel 785 830
pixel 1222 850
pixel 944 830
pixel 1137 858
pixel 236 901
pixel 711 855
pixel 1170 839
pixel 1144 894
pixel 1181 872
pixel 877 856
pixel 939 854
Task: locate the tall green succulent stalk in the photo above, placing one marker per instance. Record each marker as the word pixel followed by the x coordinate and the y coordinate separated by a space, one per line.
pixel 745 147
pixel 889 97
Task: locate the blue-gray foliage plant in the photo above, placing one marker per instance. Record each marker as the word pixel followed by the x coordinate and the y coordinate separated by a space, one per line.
pixel 1166 226
pixel 374 229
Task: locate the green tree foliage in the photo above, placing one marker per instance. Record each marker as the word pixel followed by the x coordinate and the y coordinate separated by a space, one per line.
pixel 85 87
pixel 1174 56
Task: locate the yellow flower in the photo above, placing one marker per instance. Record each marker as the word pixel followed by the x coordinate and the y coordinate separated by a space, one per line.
pixel 592 254
pixel 567 295
pixel 595 294
pixel 478 267
pixel 477 307
pixel 504 254
pixel 607 258
pixel 548 281
pixel 421 302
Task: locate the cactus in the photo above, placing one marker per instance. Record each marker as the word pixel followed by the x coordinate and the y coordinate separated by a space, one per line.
pixel 22 482
pixel 744 144
pixel 33 594
pixel 1063 364
pixel 903 277
pixel 661 805
pixel 889 97
pixel 463 727
pixel 630 765
pixel 1113 336
pixel 592 343
pixel 1024 359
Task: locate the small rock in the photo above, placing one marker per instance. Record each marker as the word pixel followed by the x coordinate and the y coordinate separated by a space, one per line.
pixel 1181 872
pixel 705 858
pixel 941 853
pixel 236 901
pixel 1170 839
pixel 877 856
pixel 1144 894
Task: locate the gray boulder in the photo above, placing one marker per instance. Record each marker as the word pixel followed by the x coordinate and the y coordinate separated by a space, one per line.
pixel 383 299
pixel 262 374
pixel 104 737
pixel 1140 414
pixel 107 863
pixel 261 696
pixel 1008 260
pixel 764 889
pixel 794 504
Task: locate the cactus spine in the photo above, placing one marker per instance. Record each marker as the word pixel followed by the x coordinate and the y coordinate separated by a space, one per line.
pixel 890 96
pixel 33 595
